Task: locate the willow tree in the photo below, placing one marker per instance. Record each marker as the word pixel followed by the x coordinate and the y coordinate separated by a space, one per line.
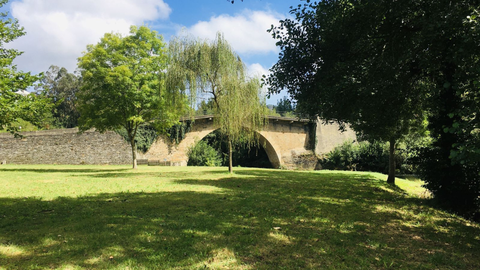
pixel 201 67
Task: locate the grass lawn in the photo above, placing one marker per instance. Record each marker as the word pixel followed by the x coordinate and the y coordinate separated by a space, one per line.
pixel 111 217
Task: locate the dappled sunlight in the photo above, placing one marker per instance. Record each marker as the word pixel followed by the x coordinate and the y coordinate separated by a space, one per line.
pixel 329 200
pixel 94 260
pixel 13 251
pixel 280 238
pixel 418 218
pixel 221 259
pixel 253 219
pixel 69 267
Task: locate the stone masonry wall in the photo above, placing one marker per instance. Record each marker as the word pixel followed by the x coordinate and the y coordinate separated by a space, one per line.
pixel 65 146
pixel 328 137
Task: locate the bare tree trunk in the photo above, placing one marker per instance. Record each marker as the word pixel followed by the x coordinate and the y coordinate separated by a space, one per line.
pixel 391 163
pixel 230 163
pixel 134 153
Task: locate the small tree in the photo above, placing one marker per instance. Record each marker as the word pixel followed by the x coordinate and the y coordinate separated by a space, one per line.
pixel 15 106
pixel 214 68
pixel 123 85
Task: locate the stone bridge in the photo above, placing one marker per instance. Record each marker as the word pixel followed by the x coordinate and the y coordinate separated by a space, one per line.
pixel 286 141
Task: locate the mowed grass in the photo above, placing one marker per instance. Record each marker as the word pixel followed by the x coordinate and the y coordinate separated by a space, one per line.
pixel 111 217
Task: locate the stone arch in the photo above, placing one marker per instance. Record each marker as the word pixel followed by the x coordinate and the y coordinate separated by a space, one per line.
pixel 272 152
pixel 194 137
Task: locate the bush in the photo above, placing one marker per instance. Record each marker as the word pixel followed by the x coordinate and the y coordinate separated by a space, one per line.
pixel 203 154
pixel 455 186
pixel 365 156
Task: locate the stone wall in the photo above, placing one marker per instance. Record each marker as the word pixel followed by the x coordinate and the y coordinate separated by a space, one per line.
pixel 329 136
pixel 65 146
pixel 287 143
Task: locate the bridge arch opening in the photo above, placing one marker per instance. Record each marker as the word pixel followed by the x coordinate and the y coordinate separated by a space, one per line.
pixel 261 155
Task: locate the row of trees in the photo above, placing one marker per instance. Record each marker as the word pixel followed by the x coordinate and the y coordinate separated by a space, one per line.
pixel 384 67
pixel 133 80
pixel 128 81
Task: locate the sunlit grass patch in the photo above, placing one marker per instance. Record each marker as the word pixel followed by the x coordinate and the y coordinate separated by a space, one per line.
pixel 112 217
pixel 12 251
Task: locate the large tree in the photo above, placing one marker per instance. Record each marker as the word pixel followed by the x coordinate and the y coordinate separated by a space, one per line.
pixel 449 34
pixel 213 68
pixel 123 85
pixel 62 88
pixel 15 106
pixel 379 64
pixel 345 61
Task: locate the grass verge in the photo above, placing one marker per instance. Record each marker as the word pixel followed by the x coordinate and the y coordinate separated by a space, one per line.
pixel 111 217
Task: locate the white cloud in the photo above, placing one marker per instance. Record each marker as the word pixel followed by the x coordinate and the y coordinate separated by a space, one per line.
pixel 59 30
pixel 246 32
pixel 257 70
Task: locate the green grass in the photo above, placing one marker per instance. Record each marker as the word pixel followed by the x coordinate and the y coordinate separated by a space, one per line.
pixel 111 217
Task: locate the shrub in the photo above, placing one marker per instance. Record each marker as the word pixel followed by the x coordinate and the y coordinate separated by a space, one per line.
pixel 203 154
pixel 455 186
pixel 365 156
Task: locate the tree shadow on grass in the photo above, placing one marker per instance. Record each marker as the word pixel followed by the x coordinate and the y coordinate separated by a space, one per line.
pixel 290 220
pixel 62 170
pixel 163 174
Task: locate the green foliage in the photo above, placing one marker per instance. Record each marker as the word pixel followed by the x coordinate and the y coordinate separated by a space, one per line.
pixel 213 68
pixel 364 77
pixel 177 132
pixel 272 112
pixel 22 126
pixel 363 156
pixel 145 137
pixel 13 106
pixel 285 107
pixel 62 88
pixel 124 87
pixel 206 108
pixel 244 154
pixel 203 154
pixel 450 166
pixel 374 157
pixel 379 65
pixel 454 186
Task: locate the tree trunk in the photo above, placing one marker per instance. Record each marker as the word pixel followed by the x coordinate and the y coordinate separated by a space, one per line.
pixel 134 153
pixel 230 164
pixel 391 163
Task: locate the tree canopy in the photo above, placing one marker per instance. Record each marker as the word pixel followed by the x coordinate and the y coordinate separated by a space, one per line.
pixel 345 61
pixel 285 107
pixel 62 87
pixel 203 67
pixel 15 106
pixel 380 66
pixel 124 84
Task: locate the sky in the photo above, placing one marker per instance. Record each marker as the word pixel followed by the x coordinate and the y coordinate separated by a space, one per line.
pixel 58 31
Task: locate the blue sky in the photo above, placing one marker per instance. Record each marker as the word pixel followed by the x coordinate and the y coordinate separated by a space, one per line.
pixel 59 30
